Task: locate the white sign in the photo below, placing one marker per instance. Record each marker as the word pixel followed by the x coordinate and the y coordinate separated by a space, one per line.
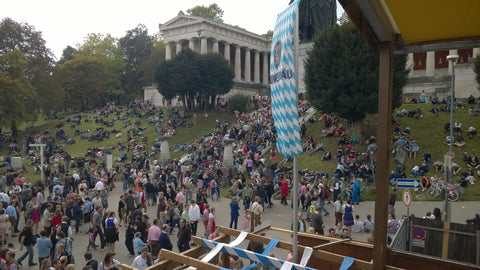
pixel 407 198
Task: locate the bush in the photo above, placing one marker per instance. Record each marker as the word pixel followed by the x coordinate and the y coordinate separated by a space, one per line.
pixel 238 103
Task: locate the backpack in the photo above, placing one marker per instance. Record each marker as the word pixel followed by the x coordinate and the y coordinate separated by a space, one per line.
pixel 188 185
pixel 327 191
pixel 240 184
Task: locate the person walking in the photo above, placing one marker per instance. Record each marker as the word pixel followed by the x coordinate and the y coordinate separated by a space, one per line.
pixel 234 214
pixel 284 187
pixel 184 235
pixel 154 233
pixel 97 226
pixel 348 216
pixel 111 231
pixel 44 245
pixel 257 210
pixel 27 240
pixel 164 239
pixel 194 216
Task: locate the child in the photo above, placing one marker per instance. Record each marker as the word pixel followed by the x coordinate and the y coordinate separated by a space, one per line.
pixel 91 240
pixel 214 234
pixel 246 221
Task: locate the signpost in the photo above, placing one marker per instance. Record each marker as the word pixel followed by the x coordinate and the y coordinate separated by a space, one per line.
pixel 41 145
pixel 408 183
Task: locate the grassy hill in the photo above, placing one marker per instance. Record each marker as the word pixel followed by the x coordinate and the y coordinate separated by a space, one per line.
pixel 427 131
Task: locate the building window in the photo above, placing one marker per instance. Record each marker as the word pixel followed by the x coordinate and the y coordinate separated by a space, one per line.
pixel 419 60
pixel 441 59
pixel 465 55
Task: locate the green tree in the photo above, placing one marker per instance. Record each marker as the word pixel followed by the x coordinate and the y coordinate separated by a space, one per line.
pixel 216 74
pixel 39 62
pixel 180 77
pixel 213 11
pixel 15 89
pixel 83 80
pixel 106 49
pixel 137 46
pixel 68 54
pixel 268 35
pixel 476 69
pixel 341 74
pixel 189 75
pixel 151 63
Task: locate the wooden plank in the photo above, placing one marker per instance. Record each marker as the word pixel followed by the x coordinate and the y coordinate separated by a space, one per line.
pixel 320 254
pixel 168 264
pixel 186 260
pixel 332 243
pixel 126 267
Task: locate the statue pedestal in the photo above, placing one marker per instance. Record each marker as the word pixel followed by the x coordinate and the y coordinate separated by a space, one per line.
pixel 164 151
pixel 228 153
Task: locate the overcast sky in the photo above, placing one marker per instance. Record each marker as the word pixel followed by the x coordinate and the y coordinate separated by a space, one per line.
pixel 67 22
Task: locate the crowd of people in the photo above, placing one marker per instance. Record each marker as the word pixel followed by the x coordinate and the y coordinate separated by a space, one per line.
pixel 78 199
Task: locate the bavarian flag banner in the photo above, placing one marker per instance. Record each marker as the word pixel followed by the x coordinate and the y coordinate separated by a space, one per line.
pixel 282 83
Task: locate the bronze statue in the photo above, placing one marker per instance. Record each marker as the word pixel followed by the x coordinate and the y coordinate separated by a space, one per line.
pixel 315 15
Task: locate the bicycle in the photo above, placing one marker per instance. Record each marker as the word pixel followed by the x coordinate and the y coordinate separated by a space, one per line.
pixel 437 188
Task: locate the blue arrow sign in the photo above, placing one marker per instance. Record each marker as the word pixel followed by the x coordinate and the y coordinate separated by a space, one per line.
pixel 408 183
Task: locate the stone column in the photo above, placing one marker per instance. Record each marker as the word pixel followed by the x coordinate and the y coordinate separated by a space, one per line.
pixel 266 79
pixel 238 64
pixel 179 47
pixel 430 65
pixel 248 66
pixel 228 153
pixel 191 44
pixel 215 46
pixel 256 67
pixel 164 151
pixel 450 52
pixel 203 45
pixel 168 52
pixel 226 52
pixel 410 62
pixel 476 52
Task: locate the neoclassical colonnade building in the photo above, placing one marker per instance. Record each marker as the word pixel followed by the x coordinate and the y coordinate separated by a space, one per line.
pixel 247 52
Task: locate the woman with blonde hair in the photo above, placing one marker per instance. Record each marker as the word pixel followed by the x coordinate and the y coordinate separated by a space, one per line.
pixel 46 264
pixel 211 222
pixel 57 217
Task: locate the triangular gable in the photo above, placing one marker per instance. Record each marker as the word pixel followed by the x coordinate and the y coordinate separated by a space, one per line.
pixel 182 19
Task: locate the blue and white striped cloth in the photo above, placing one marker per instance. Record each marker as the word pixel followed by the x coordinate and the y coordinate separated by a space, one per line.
pixel 282 83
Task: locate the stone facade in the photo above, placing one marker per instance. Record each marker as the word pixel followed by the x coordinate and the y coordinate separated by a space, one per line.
pixel 247 52
pixel 431 73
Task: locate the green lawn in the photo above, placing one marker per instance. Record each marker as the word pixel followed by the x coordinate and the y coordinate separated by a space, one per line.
pixel 427 131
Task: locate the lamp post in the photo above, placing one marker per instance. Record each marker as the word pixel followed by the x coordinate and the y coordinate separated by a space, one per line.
pixel 448 172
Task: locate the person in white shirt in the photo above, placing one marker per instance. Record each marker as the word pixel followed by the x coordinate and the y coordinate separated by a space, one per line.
pixel 99 185
pixel 194 215
pixel 357 224
pixel 143 260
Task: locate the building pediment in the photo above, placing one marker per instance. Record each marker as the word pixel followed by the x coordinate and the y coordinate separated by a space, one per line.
pixel 181 20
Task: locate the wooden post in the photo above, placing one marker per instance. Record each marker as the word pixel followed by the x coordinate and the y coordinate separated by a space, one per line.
pixel 446 236
pixel 385 93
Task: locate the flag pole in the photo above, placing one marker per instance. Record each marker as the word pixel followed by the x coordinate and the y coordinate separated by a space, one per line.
pixel 295 157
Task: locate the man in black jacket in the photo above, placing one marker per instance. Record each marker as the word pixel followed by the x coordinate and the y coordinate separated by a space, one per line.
pixel 27 240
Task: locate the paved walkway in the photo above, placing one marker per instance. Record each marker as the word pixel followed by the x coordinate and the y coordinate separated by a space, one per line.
pixel 279 215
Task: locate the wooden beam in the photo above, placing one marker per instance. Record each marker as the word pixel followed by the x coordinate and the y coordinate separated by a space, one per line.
pixel 332 243
pixel 320 254
pixel 125 267
pixel 169 264
pixel 181 258
pixel 384 129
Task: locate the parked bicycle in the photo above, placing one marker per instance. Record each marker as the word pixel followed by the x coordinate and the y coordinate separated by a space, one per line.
pixel 437 187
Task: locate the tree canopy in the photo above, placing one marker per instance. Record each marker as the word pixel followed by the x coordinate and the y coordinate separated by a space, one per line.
pixel 213 11
pixel 189 75
pixel 15 89
pixel 341 74
pixel 39 62
pixel 476 69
